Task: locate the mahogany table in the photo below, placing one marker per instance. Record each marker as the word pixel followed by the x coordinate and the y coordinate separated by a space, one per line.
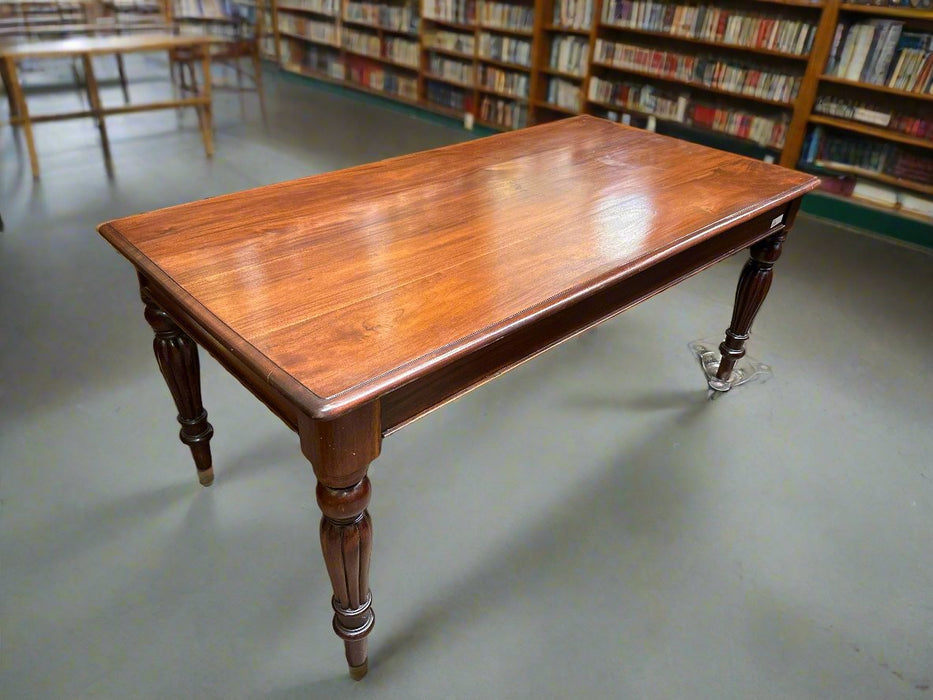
pixel 352 303
pixel 87 47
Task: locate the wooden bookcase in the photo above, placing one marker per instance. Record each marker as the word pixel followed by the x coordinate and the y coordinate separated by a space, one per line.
pixel 512 63
pixel 893 100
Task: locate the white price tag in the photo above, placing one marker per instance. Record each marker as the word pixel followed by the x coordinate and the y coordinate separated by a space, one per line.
pixel 468 120
pixel 627 119
pixel 652 124
pixel 769 158
pixel 777 220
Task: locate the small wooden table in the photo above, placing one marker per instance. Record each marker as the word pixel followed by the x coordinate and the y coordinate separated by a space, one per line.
pixel 87 47
pixel 352 303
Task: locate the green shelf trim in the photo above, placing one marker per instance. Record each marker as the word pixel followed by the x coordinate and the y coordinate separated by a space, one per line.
pixel 869 218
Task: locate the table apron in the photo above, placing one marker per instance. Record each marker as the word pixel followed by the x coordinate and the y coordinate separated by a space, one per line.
pixel 420 396
pixel 248 377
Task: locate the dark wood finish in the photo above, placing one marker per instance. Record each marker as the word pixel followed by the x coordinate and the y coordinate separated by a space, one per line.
pixel 340 452
pixel 418 397
pixel 754 283
pixel 177 356
pixel 519 225
pixel 353 302
pixel 347 542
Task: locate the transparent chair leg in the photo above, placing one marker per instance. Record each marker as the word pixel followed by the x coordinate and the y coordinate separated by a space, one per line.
pixel 746 371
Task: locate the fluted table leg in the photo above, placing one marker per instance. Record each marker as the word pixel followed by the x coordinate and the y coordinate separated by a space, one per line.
pixel 340 451
pixel 754 283
pixel 177 355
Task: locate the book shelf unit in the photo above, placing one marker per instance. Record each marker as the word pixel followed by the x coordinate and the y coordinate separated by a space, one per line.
pixel 308 37
pixel 871 124
pixel 478 60
pixel 745 75
pixel 695 70
pixel 565 39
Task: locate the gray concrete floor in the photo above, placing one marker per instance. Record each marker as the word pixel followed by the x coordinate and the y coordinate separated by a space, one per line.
pixel 589 525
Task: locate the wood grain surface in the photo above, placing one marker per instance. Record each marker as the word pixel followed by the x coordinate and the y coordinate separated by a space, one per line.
pixel 341 287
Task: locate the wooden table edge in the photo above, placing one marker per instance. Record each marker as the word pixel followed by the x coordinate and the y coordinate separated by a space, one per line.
pixel 10 50
pixel 227 342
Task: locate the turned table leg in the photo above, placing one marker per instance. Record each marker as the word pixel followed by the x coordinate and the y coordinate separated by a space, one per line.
pixel 177 356
pixel 754 283
pixel 340 451
pixel 347 543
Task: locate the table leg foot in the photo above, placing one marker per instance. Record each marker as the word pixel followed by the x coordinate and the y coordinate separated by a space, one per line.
pixel 746 371
pixel 358 672
pixel 206 477
pixel 346 541
pixel 177 356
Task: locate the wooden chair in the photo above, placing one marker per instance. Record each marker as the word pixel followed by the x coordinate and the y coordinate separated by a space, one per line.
pixel 237 27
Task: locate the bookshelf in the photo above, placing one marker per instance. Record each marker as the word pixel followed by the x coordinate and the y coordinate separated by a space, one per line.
pixel 727 67
pixel 871 124
pixel 752 76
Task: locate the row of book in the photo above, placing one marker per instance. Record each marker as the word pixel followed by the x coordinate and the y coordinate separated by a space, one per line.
pixel 449 96
pixel 671 105
pixel 569 54
pixel 316 59
pixel 505 113
pixel 394 48
pixel 312 29
pixel 450 41
pixel 507 16
pixel 215 9
pixel 459 11
pixel 508 49
pixel 504 81
pixel 763 130
pixel 647 99
pixel 400 18
pixel 842 151
pixel 575 14
pixel 376 76
pixel 724 74
pixel 564 94
pixel 330 8
pixel 880 52
pixel 724 26
pixel 450 69
pixel 870 113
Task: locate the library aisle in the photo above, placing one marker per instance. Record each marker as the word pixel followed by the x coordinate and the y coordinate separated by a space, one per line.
pixel 774 543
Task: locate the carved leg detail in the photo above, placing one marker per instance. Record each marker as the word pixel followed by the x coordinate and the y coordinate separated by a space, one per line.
pixel 177 356
pixel 754 283
pixel 347 541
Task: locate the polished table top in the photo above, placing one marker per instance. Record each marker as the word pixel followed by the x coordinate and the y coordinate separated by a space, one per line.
pixel 342 286
pixel 96 45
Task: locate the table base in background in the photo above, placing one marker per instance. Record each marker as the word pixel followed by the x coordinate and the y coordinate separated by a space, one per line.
pixel 85 49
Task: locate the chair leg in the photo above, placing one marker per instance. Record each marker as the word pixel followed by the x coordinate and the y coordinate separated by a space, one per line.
pixel 257 79
pixel 238 69
pixel 121 70
pixel 79 82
